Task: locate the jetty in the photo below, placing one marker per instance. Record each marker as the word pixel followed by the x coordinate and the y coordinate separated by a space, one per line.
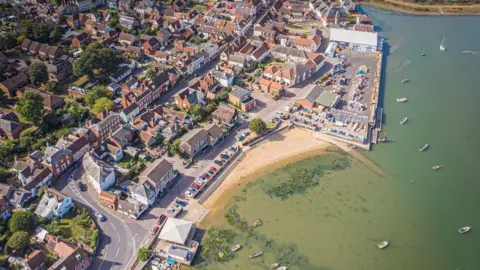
pixel 378 126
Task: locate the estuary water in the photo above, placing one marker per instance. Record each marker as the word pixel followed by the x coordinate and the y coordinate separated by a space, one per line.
pixel 337 223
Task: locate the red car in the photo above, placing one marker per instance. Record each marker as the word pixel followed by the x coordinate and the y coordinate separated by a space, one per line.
pixel 213 169
pixel 161 219
pixel 154 230
pixel 195 186
pixel 206 176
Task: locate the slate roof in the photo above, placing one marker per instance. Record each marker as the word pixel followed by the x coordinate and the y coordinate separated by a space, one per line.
pixel 156 171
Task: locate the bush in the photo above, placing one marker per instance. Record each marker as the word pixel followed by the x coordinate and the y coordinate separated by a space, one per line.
pixel 22 221
pixel 143 254
pixel 18 241
pixel 32 207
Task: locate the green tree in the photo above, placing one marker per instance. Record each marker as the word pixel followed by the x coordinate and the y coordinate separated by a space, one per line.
pixel 51 86
pixel 96 56
pixel 76 112
pixel 96 93
pixel 56 34
pixel 175 147
pixel 210 107
pixel 150 74
pixel 7 41
pixel 22 221
pixel 4 174
pixel 257 125
pixel 101 105
pixel 38 73
pixel 18 240
pixel 222 95
pixel 197 112
pixel 143 254
pixel 36 30
pixel 30 107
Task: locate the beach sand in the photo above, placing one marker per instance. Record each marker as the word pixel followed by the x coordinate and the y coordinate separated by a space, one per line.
pixel 275 152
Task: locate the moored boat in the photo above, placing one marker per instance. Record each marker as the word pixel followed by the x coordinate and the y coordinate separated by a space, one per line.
pixel 402 99
pixel 383 138
pixel 423 148
pixel 274 265
pixel 404 120
pixel 282 268
pixel 465 229
pixel 405 80
pixel 437 167
pixel 383 244
pixel 257 254
pixel 236 247
pixel 257 223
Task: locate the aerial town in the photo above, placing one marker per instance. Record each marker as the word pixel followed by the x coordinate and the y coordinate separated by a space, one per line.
pixel 119 117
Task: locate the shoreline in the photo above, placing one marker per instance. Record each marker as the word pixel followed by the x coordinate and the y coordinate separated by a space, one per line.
pixel 288 147
pixel 408 8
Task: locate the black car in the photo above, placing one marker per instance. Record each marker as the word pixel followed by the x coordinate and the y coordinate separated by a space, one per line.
pixel 182 203
pixel 81 186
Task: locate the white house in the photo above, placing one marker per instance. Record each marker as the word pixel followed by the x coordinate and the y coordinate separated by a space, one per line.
pixel 53 203
pixel 120 74
pixel 153 181
pixel 98 173
pixel 223 78
pixel 211 49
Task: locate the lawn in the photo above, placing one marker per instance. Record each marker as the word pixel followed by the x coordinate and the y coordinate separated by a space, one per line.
pixel 126 161
pixel 81 81
pixel 77 226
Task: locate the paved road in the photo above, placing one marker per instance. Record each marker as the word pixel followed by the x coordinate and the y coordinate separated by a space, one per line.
pixel 119 237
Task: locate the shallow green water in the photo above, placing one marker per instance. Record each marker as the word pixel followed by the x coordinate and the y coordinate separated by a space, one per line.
pixel 337 224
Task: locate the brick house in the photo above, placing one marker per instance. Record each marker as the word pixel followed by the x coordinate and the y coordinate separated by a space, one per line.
pixel 225 115
pixel 194 141
pixel 105 127
pixel 108 199
pixel 242 98
pixel 79 40
pixel 10 86
pixel 57 159
pixel 151 46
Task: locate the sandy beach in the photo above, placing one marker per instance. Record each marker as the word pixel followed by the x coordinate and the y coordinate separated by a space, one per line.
pixel 276 151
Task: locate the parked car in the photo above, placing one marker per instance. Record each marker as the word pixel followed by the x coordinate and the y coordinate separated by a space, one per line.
pixel 195 186
pixel 206 176
pixel 213 169
pixel 100 216
pixel 154 230
pixel 225 156
pixel 233 149
pixel 202 178
pixel 171 210
pixel 210 172
pixel 178 206
pixel 82 186
pixel 161 219
pixel 199 182
pixel 240 138
pixel 246 133
pixel 189 193
pixel 182 203
pixel 218 162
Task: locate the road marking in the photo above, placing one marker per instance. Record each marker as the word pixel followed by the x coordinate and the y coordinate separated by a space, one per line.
pixel 118 237
pixel 118 250
pixel 135 235
pixel 113 226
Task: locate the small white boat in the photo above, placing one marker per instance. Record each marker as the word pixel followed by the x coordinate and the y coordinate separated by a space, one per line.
pixel 402 99
pixel 257 254
pixel 437 167
pixel 404 120
pixel 465 229
pixel 383 244
pixel 236 247
pixel 257 223
pixel 282 268
pixel 442 47
pixel 405 80
pixel 274 265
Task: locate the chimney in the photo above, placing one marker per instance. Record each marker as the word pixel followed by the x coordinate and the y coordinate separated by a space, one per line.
pixel 64 146
pixel 102 168
pixel 358 20
pixel 336 17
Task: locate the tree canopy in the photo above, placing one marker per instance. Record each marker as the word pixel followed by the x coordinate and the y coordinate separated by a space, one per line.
pixel 143 254
pixel 96 56
pixel 36 30
pixel 96 93
pixel 18 241
pixel 197 112
pixel 38 73
pixel 257 125
pixel 101 105
pixel 22 221
pixel 30 107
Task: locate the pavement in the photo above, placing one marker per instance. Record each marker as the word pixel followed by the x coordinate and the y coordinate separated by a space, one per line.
pixel 119 237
